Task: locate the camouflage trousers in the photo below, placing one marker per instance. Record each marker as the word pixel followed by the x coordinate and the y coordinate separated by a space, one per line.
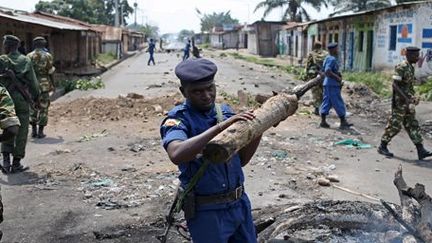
pixel 317 92
pixel 40 117
pixel 400 116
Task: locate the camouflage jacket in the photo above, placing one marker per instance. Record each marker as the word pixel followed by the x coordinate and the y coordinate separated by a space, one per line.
pixel 23 68
pixel 43 67
pixel 404 78
pixel 315 61
pixel 8 117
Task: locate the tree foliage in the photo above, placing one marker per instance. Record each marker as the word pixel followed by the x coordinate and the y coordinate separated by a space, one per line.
pixel 343 6
pixel 208 21
pixel 293 9
pixel 185 34
pixel 150 31
pixel 91 11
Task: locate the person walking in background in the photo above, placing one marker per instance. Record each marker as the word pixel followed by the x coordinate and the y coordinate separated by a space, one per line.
pixel 187 50
pixel 332 97
pixel 151 48
pixel 314 64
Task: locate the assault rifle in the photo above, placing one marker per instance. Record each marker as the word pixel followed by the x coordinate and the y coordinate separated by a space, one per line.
pixel 16 85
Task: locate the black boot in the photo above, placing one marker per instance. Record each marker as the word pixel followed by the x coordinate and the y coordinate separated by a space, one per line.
pixel 41 133
pixel 6 163
pixel 382 149
pixel 34 131
pixel 344 123
pixel 17 166
pixel 422 152
pixel 316 111
pixel 323 123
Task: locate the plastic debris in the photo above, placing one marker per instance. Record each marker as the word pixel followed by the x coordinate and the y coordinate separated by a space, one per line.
pixel 354 143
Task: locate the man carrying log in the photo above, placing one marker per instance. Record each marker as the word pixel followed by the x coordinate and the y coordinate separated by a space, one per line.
pixel 211 195
pixel 403 106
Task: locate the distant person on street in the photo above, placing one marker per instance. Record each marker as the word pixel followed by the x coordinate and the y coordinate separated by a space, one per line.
pixel 332 89
pixel 403 106
pixel 314 64
pixel 195 50
pixel 151 48
pixel 186 50
pixel 217 208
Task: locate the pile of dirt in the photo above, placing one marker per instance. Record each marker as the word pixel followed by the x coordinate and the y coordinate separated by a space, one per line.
pixel 120 108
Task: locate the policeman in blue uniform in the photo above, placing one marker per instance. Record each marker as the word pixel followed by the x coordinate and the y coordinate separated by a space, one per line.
pixel 332 89
pixel 186 50
pixel 222 210
pixel 151 48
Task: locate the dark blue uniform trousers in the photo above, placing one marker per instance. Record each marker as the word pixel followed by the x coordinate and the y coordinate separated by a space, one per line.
pixel 227 225
pixel 332 98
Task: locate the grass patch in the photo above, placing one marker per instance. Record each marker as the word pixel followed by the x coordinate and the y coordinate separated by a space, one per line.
pixel 81 84
pixel 425 90
pixel 204 46
pixel 106 58
pixel 380 83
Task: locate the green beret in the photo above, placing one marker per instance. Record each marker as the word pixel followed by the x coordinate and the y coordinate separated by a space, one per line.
pixel 412 49
pixel 39 39
pixel 11 39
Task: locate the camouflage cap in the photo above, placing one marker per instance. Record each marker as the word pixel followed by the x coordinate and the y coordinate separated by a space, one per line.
pixel 39 39
pixel 11 39
pixel 412 49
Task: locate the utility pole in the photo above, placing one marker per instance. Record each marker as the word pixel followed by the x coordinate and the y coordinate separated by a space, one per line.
pixel 116 18
pixel 136 10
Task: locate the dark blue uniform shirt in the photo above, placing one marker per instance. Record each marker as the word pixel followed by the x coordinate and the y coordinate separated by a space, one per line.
pixel 151 48
pixel 184 122
pixel 331 63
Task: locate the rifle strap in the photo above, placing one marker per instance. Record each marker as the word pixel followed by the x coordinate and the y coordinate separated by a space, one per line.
pixel 199 174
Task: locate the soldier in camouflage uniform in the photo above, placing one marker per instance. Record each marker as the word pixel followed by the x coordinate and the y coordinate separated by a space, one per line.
pixel 23 88
pixel 314 65
pixel 43 67
pixel 403 106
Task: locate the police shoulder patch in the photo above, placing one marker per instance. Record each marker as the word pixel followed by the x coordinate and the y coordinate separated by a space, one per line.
pixel 171 122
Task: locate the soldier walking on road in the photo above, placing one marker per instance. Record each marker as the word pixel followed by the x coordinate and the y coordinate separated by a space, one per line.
pixel 43 67
pixel 314 64
pixel 24 89
pixel 403 106
pixel 151 48
pixel 217 208
pixel 332 89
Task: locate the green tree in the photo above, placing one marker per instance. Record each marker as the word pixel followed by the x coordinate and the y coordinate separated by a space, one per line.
pixel 343 6
pixel 185 34
pixel 208 21
pixel 150 31
pixel 91 11
pixel 293 9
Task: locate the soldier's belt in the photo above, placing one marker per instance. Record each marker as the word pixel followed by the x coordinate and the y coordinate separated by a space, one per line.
pixel 221 198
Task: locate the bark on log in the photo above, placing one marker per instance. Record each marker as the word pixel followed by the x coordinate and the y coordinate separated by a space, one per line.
pixel 419 214
pixel 276 109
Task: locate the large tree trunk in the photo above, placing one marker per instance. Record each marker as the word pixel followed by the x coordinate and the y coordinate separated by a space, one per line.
pixel 276 109
pixel 418 213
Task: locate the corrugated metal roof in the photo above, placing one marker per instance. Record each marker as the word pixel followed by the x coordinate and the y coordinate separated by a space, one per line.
pixel 41 21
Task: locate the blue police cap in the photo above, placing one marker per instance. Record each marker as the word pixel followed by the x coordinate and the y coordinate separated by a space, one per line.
pixel 194 71
pixel 332 45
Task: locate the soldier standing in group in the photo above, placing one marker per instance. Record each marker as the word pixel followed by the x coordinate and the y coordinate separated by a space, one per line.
pixel 217 208
pixel 43 67
pixel 314 64
pixel 403 106
pixel 24 89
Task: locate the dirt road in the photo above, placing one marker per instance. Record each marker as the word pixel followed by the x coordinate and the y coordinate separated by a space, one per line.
pixel 102 176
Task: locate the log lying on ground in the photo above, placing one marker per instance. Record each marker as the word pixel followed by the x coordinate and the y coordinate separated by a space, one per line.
pixel 417 213
pixel 274 110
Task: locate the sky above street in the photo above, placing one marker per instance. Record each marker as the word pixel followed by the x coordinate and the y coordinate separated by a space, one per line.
pixel 174 15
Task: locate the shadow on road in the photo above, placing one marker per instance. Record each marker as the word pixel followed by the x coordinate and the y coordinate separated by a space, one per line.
pixel 24 178
pixel 421 163
pixel 49 140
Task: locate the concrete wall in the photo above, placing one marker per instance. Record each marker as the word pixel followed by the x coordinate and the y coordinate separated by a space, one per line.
pixel 216 40
pixel 230 39
pixel 252 43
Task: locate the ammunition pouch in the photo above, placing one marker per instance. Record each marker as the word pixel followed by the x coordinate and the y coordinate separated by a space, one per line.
pixel 189 205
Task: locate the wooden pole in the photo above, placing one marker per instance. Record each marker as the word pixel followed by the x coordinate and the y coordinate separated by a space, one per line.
pixel 276 109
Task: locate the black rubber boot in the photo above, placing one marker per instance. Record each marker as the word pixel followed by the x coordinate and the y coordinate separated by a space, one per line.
pixel 382 149
pixel 17 166
pixel 344 124
pixel 323 123
pixel 6 163
pixel 34 131
pixel 316 111
pixel 422 152
pixel 41 133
